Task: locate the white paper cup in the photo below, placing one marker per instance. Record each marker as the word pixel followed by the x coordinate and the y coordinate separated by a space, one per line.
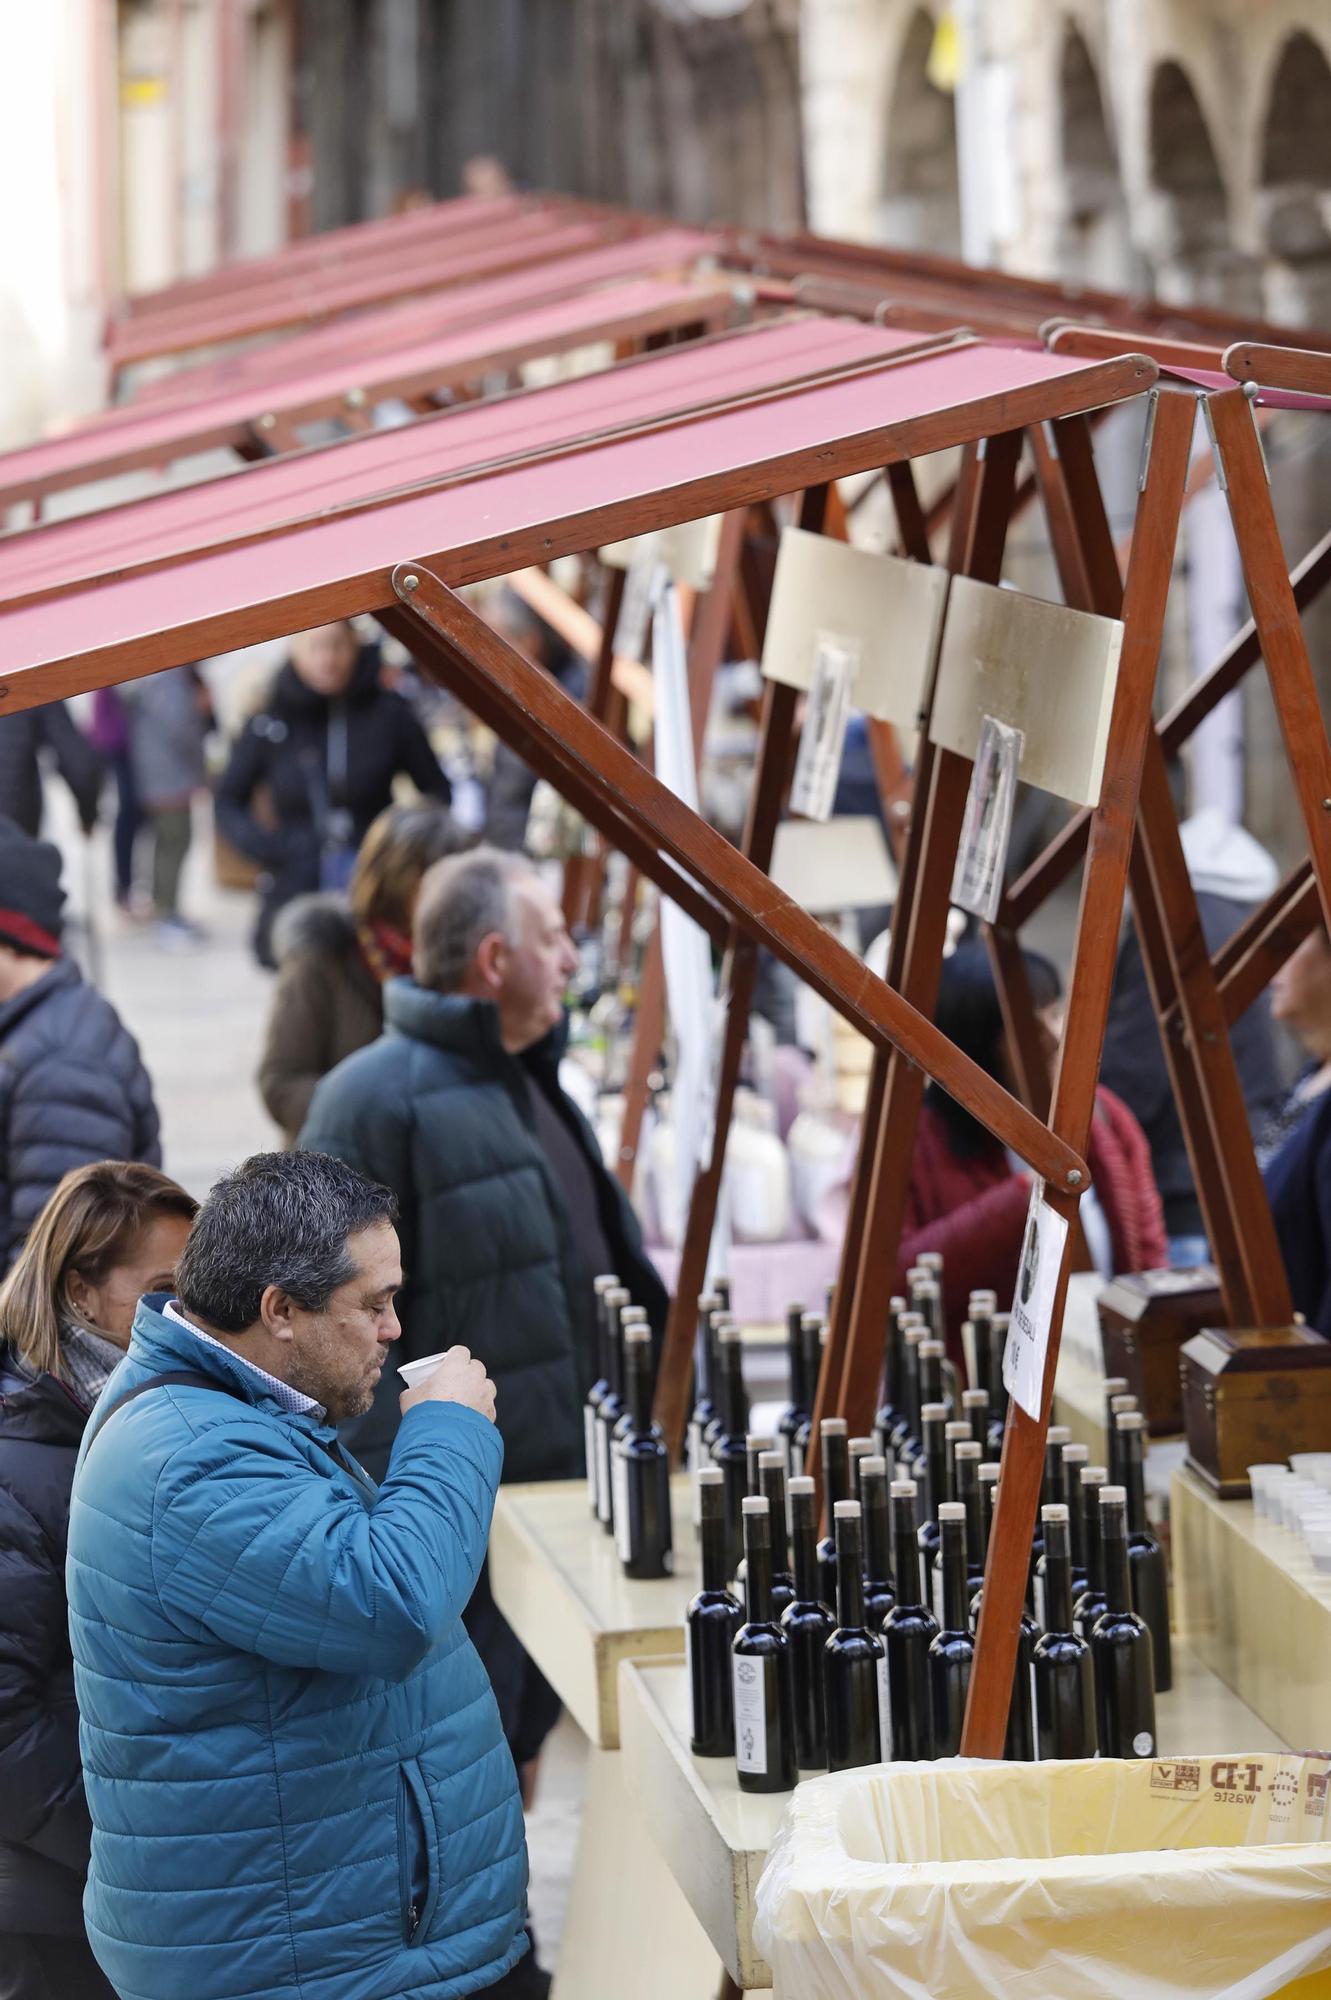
pixel 1263 1478
pixel 1314 1465
pixel 415 1372
pixel 1319 1548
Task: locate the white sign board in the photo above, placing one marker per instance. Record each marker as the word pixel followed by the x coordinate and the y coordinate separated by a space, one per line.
pixel 1036 666
pixel 893 610
pixel 1033 1307
pixel 836 864
pixel 688 550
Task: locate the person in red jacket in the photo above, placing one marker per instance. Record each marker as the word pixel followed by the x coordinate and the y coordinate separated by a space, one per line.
pixel 968 1195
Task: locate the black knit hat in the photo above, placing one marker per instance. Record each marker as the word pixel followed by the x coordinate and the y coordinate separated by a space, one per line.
pixel 31 898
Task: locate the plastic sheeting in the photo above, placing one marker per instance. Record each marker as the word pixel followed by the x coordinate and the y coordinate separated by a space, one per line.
pixel 1201 1876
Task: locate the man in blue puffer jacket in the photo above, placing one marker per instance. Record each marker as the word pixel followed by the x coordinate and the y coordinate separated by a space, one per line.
pixel 298 1781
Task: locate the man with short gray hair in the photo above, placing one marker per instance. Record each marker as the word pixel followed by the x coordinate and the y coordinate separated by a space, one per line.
pixel 296 1771
pixel 507 1212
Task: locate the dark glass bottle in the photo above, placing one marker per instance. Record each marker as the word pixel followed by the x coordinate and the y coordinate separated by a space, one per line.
pixel 998 1395
pixel 1075 1456
pixel 754 1447
pixel 797 1410
pixel 854 1655
pixel 836 1486
pixel 772 1484
pixel 876 1513
pixel 761 1663
pixel 966 1489
pixel 1019 1741
pixel 926 1297
pixel 1114 1385
pixel 1087 1608
pixel 975 1409
pixel 1116 1406
pixel 641 1470
pixel 905 1438
pixel 1064 1678
pixel 953 1650
pixel 722 1324
pixel 980 1308
pixel 610 1408
pixel 808 1623
pixel 606 1282
pixel 704 1381
pixel 710 1624
pixel 1121 1645
pixel 629 1317
pixel 729 1447
pixel 812 1329
pixel 908 1633
pixel 1051 1495
pixel 721 1286
pixel 933 1426
pixel 1146 1558
pixel 889 1408
pixel 932 1355
pixel 860 1449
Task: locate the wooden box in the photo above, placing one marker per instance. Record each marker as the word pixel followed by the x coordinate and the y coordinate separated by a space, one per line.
pixel 1144 1321
pixel 1252 1397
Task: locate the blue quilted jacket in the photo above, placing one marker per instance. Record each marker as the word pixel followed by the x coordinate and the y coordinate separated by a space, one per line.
pixel 293 1759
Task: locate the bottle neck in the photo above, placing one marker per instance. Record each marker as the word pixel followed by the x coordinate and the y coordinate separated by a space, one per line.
pixel 910 1385
pixel 988 1501
pixel 890 1361
pixel 956 1597
pixel 1132 1471
pixel 772 1486
pixel 714 1545
pixel 935 1458
pixel 877 1530
pixel 1057 1579
pixel 702 1359
pixel 804 1536
pixel 757 1579
pixel 813 1354
pixel 1114 1556
pixel 931 1379
pixel 906 1551
pixel 968 1492
pixel 799 1388
pixel 638 1386
pixel 734 1405
pixel 849 1574
pixel 1051 1486
pixel 1095 1568
pixel 1076 1522
pixel 614 1353
pixel 836 1469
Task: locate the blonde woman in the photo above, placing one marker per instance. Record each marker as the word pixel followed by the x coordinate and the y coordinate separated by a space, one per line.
pixel 335 952
pixel 109 1233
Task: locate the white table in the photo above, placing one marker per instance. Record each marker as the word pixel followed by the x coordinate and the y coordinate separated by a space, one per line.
pixel 715 1837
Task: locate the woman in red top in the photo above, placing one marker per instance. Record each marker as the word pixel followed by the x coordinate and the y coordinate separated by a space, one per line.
pixel 968 1195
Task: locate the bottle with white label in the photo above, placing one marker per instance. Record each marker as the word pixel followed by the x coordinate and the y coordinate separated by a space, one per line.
pixel 601 1286
pixel 641 1469
pixel 764 1692
pixel 729 1447
pixel 1064 1680
pixel 908 1632
pixel 610 1408
pixel 855 1655
pixel 952 1653
pixel 1121 1645
pixel 710 1624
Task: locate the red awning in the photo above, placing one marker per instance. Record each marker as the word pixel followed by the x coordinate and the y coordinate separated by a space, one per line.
pixel 207 576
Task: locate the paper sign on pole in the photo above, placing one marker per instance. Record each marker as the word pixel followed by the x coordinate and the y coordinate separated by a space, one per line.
pixel 823 738
pixel 1033 1307
pixel 977 882
pixel 687 548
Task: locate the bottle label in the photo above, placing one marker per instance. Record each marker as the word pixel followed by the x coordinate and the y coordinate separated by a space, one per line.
pixel 602 1471
pixel 1041 1609
pixel 1143 1744
pixel 884 1710
pixel 619 1474
pixel 589 1453
pixel 750 1716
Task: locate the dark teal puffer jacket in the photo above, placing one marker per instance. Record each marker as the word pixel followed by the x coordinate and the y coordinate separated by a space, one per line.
pixel 289 1744
pixel 439 1111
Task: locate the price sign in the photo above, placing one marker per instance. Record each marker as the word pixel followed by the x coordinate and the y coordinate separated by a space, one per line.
pixel 1033 1307
pixel 818 766
pixel 977 883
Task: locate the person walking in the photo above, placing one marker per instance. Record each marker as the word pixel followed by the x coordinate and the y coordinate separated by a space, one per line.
pixel 73 1087
pixel 507 1210
pixel 334 954
pixel 169 716
pixel 109 734
pixel 295 1768
pixel 315 766
pixel 28 737
pixel 109 1233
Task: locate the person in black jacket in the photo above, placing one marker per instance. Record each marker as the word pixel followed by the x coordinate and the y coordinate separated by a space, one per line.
pixel 109 1233
pixel 315 766
pixel 507 1212
pixel 23 739
pixel 72 1085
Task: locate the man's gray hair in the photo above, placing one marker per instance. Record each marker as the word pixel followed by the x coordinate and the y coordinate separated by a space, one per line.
pixel 280 1219
pixel 462 899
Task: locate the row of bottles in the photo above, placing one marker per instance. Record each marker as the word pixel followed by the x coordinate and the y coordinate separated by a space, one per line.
pixel 628 1464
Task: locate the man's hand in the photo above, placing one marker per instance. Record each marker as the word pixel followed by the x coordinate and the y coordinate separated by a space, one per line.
pixel 459 1378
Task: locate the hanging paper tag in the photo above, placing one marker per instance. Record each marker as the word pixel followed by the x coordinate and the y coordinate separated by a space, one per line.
pixel 641 585
pixel 716 1049
pixel 977 884
pixel 818 765
pixel 1033 1307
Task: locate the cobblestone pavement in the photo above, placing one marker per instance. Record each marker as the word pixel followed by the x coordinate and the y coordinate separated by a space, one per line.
pixel 198 1015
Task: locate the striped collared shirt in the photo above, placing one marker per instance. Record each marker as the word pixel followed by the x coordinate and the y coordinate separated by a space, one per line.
pixel 290 1399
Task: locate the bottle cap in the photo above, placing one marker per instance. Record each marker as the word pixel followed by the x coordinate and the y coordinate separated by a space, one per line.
pixel 607 1282
pixel 753 1442
pixel 1130 1420
pixel 797 1488
pixel 983 1297
pixel 873 1467
pixel 795 1310
pixel 769 1460
pixel 632 1315
pixel 637 1335
pixel 989 1471
pixel 710 1302
pixel 1093 1475
pixel 934 1413
pixel 834 1427
pixel 966 1447
pixel 1113 1496
pixel 1055 1512
pixel 904 1489
pixel 1118 1403
pixel 618 1296
pixel 932 1350
pixel 929 1260
pixel 862 1448
pixel 824 1334
pixel 896 1304
pixel 951 1510
pixel 727 1333
pixel 710 1475
pixel 1058 1434
pixel 956 1431
pixel 808 1321
pixel 927 1287
pixel 1076 1454
pixel 975 1399
pixel 913 1335
pixel 1115 1384
pixel 917 1270
pixel 754 1503
pixel 846 1510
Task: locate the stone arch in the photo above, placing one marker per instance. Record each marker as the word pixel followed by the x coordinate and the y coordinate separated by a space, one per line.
pixel 1093 247
pixel 1187 223
pixel 921 188
pixel 1294 191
